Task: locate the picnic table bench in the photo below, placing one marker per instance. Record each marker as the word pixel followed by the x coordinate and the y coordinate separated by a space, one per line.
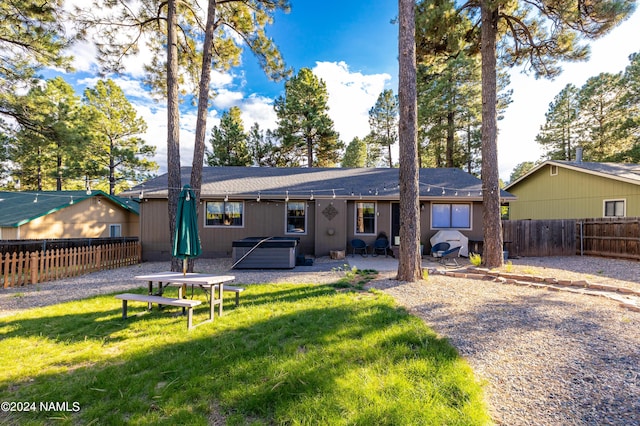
pixel 189 304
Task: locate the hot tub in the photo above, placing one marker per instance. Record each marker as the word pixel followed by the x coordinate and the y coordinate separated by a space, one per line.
pixel 269 252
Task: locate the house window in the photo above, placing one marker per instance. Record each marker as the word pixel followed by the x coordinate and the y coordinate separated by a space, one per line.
pixel 365 218
pixel 553 170
pixel 115 231
pixel 224 213
pixel 456 216
pixel 614 208
pixel 296 217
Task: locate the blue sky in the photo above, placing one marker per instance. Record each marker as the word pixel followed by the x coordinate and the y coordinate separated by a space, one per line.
pixel 352 46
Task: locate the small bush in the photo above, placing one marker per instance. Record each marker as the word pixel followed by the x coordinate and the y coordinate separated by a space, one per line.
pixel 475 259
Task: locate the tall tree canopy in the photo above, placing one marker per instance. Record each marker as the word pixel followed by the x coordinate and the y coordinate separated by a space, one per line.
pixel 184 37
pixel 304 126
pixel 537 35
pixel 32 35
pixel 561 128
pixel 117 151
pixel 601 117
pixel 229 141
pixel 355 155
pixel 383 120
pixel 51 134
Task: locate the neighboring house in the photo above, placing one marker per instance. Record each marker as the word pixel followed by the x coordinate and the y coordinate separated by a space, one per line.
pixel 324 207
pixel 66 214
pixel 576 190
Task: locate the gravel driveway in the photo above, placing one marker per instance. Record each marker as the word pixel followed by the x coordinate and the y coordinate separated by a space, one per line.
pixel 546 358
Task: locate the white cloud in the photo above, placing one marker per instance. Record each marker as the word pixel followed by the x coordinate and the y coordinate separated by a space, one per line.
pixel 258 109
pixel 351 96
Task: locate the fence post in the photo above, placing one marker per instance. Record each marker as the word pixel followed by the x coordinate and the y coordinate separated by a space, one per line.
pixel 98 258
pixel 34 268
pixel 6 270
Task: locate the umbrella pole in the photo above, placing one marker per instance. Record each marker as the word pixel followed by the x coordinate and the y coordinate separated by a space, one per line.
pixel 184 266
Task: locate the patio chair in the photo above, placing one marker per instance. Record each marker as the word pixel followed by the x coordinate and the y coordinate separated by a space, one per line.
pixel 359 245
pixel 438 249
pixel 449 257
pixel 381 245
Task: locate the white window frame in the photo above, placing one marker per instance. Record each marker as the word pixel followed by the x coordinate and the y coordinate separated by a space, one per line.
pixel 614 200
pixel 375 218
pixel 224 209
pixel 553 170
pixel 112 228
pixel 286 217
pixel 470 205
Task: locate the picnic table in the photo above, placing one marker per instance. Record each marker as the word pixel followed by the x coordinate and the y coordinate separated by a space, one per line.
pixel 207 282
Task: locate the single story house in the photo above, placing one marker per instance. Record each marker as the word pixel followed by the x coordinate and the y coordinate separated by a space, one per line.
pixel 66 214
pixel 324 207
pixel 576 190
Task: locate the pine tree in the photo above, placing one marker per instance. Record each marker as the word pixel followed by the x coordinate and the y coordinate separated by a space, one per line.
pixel 117 151
pixel 561 128
pixel 355 155
pixel 383 121
pixel 51 134
pixel 603 117
pixel 229 141
pixel 304 126
pixel 536 34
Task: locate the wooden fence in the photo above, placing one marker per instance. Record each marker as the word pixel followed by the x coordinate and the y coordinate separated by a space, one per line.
pixel 539 237
pixel 609 237
pixel 21 268
pixel 603 237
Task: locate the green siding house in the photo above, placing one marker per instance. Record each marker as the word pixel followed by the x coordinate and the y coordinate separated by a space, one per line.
pixel 576 190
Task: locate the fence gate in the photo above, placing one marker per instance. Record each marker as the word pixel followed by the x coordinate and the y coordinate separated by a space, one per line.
pixel 535 238
pixel 609 237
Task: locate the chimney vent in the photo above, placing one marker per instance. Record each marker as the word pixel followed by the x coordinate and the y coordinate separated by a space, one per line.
pixel 579 154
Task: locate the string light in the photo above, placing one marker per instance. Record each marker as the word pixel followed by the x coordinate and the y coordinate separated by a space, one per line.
pixel 258 199
pixel 311 197
pixel 36 199
pixel 71 202
pixel 443 191
pixel 141 195
pixel 286 198
pixel 188 197
pixel 334 193
pixel 226 196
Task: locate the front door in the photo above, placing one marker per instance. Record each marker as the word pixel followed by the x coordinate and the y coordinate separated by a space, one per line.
pixel 395 224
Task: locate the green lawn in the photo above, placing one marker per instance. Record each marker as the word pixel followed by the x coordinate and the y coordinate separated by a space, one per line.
pixel 290 354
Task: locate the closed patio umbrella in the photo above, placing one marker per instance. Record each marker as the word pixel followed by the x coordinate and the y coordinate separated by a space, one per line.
pixel 187 241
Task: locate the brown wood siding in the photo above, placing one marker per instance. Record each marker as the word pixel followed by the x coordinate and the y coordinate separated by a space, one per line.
pixel 325 231
pixel 569 195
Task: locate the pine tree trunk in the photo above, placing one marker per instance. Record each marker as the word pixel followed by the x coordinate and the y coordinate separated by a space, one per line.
pixel 450 138
pixel 409 265
pixel 490 178
pixel 173 127
pixel 203 102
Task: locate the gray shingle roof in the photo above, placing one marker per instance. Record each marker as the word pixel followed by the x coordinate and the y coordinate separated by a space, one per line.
pixel 618 170
pixel 626 172
pixel 272 182
pixel 18 208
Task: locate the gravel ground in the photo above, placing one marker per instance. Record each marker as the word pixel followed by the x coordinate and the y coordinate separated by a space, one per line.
pixel 546 358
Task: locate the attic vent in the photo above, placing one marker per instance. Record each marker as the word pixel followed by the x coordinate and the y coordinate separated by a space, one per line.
pixel 553 170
